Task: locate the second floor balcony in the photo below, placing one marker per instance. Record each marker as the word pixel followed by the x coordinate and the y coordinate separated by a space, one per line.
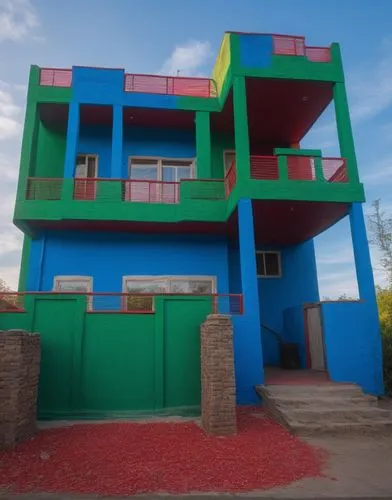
pixel 276 177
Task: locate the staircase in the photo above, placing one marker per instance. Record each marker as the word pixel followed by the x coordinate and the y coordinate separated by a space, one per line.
pixel 325 409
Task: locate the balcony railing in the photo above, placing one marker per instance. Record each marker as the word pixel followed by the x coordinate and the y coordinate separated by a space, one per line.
pixel 264 167
pixel 170 85
pixel 127 190
pixel 53 77
pixel 39 188
pixel 126 303
pixel 299 168
pixel 285 45
pixel 231 178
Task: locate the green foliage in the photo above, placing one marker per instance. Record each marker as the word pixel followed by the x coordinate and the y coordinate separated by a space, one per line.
pixel 384 301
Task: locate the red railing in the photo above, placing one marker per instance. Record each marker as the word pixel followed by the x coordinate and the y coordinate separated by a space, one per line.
pixel 85 188
pixel 53 77
pixel 301 168
pixel 151 191
pixel 126 303
pixel 286 45
pixel 318 54
pixel 39 188
pixel 170 85
pixel 335 169
pixel 230 178
pixel 264 167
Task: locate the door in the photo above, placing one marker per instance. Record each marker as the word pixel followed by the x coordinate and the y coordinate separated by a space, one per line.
pixel 55 321
pixel 315 338
pixel 86 169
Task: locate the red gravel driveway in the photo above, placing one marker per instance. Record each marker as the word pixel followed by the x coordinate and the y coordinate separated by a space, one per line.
pixel 132 458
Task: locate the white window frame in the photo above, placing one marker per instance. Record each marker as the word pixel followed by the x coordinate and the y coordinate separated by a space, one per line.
pixel 159 162
pixel 264 252
pixel 227 152
pixel 87 279
pixel 87 155
pixel 168 278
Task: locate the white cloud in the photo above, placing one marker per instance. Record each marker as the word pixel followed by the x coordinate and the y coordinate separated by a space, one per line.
pixel 379 172
pixel 10 116
pixel 188 59
pixel 370 87
pixel 17 19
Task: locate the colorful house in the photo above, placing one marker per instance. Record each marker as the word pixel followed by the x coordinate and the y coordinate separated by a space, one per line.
pixel 149 201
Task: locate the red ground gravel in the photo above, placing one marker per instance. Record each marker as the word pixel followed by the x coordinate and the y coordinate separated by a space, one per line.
pixel 131 458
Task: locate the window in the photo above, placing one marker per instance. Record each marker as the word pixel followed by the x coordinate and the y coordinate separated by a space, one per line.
pixel 228 158
pixel 198 285
pixel 73 284
pixel 166 171
pixel 76 284
pixel 86 166
pixel 86 169
pixel 160 169
pixel 268 264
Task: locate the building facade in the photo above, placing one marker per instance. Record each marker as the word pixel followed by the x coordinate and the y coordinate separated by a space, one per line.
pixel 143 184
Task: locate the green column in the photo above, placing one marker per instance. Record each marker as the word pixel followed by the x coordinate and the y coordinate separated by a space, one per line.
pixel 345 134
pixel 30 133
pixel 241 132
pixel 203 144
pixel 24 265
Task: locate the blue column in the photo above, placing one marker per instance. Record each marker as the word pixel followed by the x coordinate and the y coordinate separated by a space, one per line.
pixel 117 142
pixel 367 291
pixel 72 140
pixel 363 264
pixel 247 338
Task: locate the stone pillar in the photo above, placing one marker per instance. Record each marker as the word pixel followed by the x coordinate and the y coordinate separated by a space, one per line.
pixel 218 404
pixel 20 354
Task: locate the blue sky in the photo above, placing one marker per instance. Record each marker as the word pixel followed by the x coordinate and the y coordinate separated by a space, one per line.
pixel 152 36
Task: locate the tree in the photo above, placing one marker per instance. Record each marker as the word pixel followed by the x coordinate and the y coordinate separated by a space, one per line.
pixel 380 226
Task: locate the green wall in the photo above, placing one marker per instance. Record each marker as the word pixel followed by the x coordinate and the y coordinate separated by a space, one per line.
pixel 50 154
pixel 219 143
pixel 98 365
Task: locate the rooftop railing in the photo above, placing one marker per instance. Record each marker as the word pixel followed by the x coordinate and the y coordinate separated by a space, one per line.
pixel 149 84
pixel 285 45
pixel 170 85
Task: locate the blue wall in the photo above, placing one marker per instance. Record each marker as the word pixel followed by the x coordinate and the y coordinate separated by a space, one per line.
pixel 138 141
pixel 297 285
pixel 169 143
pixel 109 257
pixel 106 86
pixel 97 139
pixel 256 51
pixel 294 330
pixel 352 343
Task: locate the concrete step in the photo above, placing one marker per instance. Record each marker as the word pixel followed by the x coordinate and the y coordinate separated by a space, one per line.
pixel 327 401
pixel 325 409
pixel 379 427
pixel 314 390
pixel 341 414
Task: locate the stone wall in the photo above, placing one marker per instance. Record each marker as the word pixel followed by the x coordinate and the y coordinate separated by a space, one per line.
pixel 20 354
pixel 218 399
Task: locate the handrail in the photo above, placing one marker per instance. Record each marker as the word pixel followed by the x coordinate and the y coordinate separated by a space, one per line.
pixel 277 335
